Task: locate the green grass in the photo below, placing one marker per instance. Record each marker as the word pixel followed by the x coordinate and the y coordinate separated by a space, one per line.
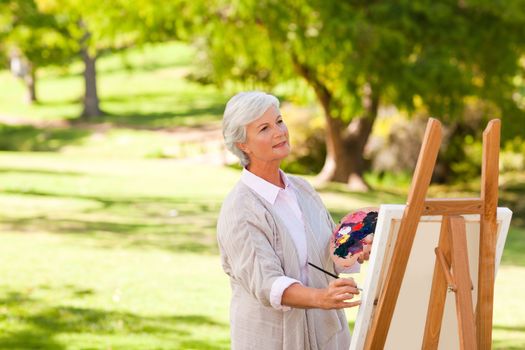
pixel 74 294
pixel 121 254
pixel 97 256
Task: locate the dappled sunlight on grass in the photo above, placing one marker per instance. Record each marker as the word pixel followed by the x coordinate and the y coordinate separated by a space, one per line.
pixel 193 232
pixel 122 253
pixel 59 292
pixel 28 138
pixel 104 214
pixel 48 327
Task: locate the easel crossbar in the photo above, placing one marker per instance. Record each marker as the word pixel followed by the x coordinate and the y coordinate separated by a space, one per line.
pixel 452 206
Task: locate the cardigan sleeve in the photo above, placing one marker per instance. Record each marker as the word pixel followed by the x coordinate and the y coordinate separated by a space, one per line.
pixel 245 237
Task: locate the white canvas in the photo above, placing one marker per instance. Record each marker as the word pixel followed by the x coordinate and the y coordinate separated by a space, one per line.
pixel 408 322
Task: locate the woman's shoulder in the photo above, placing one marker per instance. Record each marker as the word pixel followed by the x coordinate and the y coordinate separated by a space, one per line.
pixel 240 199
pixel 240 206
pixel 306 190
pixel 301 183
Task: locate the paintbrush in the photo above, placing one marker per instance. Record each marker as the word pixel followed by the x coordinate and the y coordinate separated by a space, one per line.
pixel 328 273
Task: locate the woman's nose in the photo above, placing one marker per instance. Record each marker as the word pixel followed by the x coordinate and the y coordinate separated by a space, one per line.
pixel 279 129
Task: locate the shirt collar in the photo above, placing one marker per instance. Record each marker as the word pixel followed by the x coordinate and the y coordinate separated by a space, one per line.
pixel 262 187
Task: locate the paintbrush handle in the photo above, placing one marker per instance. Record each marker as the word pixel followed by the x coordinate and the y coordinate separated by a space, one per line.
pixel 328 273
pixel 323 270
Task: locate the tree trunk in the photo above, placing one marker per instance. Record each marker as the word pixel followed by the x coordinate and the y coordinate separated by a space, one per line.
pixel 344 152
pixel 344 145
pixel 30 80
pixel 336 166
pixel 91 101
pixel 355 140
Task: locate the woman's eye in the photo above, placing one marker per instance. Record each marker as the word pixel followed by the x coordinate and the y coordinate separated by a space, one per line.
pixel 280 121
pixel 264 128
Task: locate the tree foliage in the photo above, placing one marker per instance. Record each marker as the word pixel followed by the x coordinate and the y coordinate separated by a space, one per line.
pixel 416 55
pixel 33 38
pixel 56 31
pixel 41 38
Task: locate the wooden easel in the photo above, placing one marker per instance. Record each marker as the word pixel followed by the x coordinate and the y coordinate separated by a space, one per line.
pixel 475 329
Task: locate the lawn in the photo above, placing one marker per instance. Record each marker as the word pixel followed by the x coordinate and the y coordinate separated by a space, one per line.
pixel 97 255
pixel 107 244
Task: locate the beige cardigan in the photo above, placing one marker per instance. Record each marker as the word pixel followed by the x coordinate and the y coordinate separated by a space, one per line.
pixel 256 249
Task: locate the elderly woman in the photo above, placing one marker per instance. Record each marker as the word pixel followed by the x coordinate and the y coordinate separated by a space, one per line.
pixel 271 226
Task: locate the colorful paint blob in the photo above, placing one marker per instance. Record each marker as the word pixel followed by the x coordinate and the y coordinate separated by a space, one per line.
pixel 351 234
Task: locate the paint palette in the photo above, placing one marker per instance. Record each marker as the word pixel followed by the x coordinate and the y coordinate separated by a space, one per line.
pixel 351 235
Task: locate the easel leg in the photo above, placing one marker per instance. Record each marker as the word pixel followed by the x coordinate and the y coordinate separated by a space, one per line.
pixel 487 240
pixel 452 250
pixel 438 294
pixel 464 308
pixel 378 331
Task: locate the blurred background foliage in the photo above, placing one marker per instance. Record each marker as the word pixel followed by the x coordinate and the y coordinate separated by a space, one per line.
pixel 345 62
pixel 110 138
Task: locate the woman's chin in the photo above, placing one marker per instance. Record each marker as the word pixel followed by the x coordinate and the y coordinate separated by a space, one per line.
pixel 282 151
pixel 283 157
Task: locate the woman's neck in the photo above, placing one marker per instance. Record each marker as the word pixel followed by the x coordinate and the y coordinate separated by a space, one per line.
pixel 268 172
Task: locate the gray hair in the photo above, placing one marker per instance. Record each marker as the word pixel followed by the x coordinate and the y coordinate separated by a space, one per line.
pixel 240 111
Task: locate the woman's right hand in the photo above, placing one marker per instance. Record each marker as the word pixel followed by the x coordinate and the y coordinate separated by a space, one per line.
pixel 337 293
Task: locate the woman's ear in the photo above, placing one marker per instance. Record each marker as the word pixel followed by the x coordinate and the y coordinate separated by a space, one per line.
pixel 242 147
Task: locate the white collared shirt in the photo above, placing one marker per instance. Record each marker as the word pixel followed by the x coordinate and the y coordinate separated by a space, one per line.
pixel 284 201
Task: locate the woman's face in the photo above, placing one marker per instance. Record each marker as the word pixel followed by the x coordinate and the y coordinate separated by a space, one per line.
pixel 266 138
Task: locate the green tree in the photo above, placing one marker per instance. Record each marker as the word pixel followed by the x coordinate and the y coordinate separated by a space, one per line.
pixel 100 26
pixel 94 27
pixel 359 55
pixel 32 40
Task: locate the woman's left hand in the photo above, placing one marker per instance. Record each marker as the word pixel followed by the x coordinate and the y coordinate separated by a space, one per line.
pixel 367 247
